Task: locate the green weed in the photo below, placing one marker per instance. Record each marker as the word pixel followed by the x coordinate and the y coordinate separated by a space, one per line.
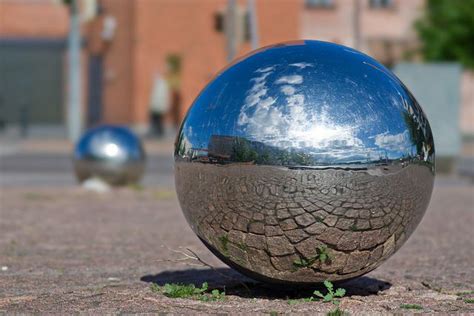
pixel 411 306
pixel 322 254
pixel 243 246
pixel 336 312
pixel 331 295
pixel 178 290
pixel 224 239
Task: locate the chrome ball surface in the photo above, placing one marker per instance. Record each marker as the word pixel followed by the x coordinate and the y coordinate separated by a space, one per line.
pixel 111 153
pixel 303 162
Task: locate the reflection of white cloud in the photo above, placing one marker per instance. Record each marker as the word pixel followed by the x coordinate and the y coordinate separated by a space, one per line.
pixel 277 113
pixel 257 91
pixel 296 125
pixel 296 102
pixel 111 150
pixel 266 69
pixel 294 79
pixel 106 144
pixel 288 90
pixel 301 65
pixel 265 103
pixel 396 142
pixel 254 98
pixel 257 96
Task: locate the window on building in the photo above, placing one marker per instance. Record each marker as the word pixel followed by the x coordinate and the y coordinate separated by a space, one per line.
pixel 247 33
pixel 319 3
pixel 242 24
pixel 219 22
pixel 381 4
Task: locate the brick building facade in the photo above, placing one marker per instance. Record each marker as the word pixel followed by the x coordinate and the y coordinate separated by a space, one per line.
pixel 147 33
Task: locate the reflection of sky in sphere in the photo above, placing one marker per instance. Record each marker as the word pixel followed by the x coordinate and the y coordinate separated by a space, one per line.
pixel 112 143
pixel 330 101
pixel 105 145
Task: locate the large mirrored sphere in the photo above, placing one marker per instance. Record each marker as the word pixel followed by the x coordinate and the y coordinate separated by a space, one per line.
pixel 304 161
pixel 111 153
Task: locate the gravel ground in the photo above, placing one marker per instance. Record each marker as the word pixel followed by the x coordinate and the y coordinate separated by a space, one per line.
pixel 66 250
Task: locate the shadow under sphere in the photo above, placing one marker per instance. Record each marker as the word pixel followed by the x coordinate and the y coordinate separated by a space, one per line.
pixel 304 161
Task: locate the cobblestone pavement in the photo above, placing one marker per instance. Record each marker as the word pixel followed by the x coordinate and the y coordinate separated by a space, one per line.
pixel 275 221
pixel 66 250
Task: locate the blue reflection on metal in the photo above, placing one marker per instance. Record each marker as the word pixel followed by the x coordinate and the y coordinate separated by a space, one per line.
pixel 327 102
pixel 110 152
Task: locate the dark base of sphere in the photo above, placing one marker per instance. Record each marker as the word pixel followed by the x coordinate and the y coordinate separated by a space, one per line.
pixel 280 284
pixel 249 273
pixel 115 176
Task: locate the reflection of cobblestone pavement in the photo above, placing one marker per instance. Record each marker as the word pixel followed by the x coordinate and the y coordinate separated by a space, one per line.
pixel 276 222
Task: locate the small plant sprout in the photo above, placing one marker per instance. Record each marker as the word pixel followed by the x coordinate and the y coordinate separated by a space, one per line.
pixel 243 246
pixel 224 239
pixel 411 306
pixel 303 263
pixel 331 295
pixel 176 290
pixel 322 254
pixel 336 312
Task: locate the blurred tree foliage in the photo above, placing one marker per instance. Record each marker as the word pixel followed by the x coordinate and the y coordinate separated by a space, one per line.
pixel 447 31
pixel 243 152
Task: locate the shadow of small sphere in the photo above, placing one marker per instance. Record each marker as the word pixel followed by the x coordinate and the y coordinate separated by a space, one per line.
pixel 234 283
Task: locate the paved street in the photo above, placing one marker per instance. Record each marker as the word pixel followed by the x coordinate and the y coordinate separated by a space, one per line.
pixel 64 249
pixel 36 163
pixel 57 170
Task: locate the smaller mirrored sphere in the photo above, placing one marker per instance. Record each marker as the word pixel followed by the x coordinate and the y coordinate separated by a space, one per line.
pixel 111 153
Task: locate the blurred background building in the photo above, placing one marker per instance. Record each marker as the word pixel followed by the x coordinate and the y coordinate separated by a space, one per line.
pixel 126 44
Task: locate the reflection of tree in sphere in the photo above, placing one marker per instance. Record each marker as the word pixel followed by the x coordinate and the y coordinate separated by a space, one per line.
pixel 303 162
pixel 111 153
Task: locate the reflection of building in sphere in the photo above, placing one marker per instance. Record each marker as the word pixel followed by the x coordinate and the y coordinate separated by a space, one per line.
pixel 221 147
pixel 305 161
pixel 111 153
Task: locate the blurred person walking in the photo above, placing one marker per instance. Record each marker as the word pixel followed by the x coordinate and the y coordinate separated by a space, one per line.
pixel 159 105
pixel 173 76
